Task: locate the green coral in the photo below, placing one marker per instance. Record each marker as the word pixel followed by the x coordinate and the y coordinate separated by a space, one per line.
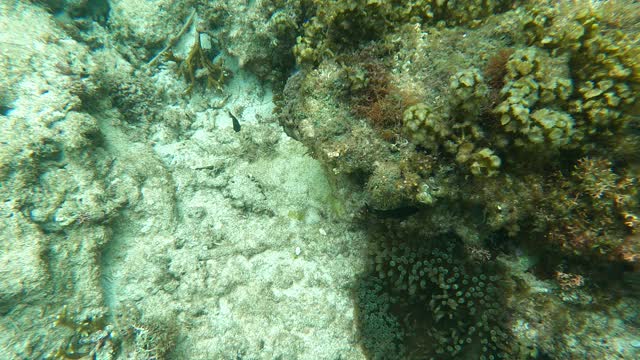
pixel 605 66
pixel 381 332
pixel 485 163
pixel 532 87
pixel 468 92
pixel 453 301
pixel 554 126
pixel 424 125
pixel 356 78
pixel 338 24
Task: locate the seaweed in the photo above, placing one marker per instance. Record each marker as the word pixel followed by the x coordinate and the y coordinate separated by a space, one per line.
pixel 88 338
pixel 196 60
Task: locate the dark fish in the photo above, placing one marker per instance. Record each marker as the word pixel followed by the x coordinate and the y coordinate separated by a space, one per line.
pixel 398 213
pixel 236 123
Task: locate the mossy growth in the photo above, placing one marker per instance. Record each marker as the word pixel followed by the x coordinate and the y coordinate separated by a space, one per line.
pixel 372 94
pixel 383 186
pixel 197 65
pixel 596 209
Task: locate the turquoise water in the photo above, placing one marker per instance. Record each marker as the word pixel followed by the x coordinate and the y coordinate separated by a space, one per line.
pixel 310 179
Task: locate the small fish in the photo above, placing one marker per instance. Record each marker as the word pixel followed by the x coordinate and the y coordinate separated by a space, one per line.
pixel 236 123
pixel 398 213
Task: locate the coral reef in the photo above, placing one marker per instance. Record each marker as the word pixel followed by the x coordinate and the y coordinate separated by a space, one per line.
pixel 339 25
pixel 465 176
pixel 513 127
pixel 565 98
pixel 449 305
pixel 382 334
